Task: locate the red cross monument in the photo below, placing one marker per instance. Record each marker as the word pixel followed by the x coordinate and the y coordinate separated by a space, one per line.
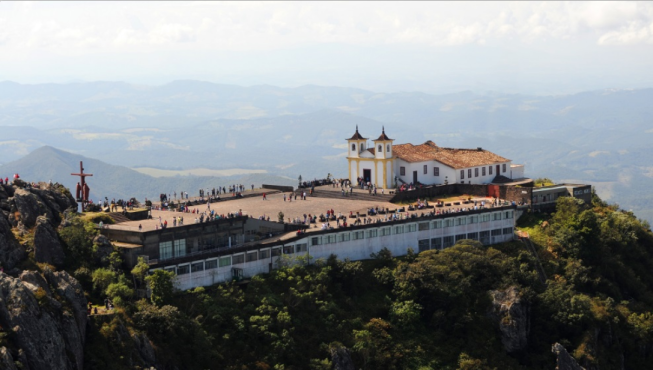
pixel 82 190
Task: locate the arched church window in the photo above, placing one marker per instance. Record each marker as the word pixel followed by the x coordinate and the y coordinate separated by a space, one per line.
pixel 362 147
pixel 353 147
pixel 380 148
pixel 388 148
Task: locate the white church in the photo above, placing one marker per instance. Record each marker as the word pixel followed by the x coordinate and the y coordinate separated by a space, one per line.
pixel 385 165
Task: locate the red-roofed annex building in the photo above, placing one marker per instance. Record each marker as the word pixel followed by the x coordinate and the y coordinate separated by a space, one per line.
pixel 384 164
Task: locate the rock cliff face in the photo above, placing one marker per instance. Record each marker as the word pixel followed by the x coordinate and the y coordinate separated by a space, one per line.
pixel 26 205
pixel 565 361
pixel 513 317
pixel 43 314
pixel 20 208
pixel 47 247
pixel 341 359
pixel 50 333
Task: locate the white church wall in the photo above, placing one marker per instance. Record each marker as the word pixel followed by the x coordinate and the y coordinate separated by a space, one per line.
pixel 516 171
pixel 353 174
pixel 447 173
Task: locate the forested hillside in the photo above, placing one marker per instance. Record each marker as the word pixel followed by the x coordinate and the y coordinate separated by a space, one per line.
pixel 467 307
pixel 587 288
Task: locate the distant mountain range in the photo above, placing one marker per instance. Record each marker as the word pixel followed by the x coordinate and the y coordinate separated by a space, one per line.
pixel 48 163
pixel 601 137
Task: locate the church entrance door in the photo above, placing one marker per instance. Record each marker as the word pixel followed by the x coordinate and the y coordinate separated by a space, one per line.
pixel 367 175
pixel 414 177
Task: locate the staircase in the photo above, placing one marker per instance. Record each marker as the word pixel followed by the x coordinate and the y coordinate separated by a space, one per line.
pixel 118 217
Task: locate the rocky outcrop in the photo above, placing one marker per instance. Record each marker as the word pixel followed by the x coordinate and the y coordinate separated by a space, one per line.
pixel 11 252
pixel 341 358
pixel 47 247
pixel 512 314
pixel 27 205
pixel 144 349
pixel 21 207
pixel 565 361
pixel 49 334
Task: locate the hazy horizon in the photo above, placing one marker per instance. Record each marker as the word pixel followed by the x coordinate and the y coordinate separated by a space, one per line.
pixel 542 48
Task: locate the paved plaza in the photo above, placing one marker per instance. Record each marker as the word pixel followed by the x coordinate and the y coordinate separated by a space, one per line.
pixel 257 207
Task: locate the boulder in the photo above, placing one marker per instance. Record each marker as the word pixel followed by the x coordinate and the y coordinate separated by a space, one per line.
pixel 33 280
pixel 513 317
pixel 11 252
pixel 47 333
pixel 27 204
pixel 26 207
pixel 565 361
pixel 47 247
pixel 341 358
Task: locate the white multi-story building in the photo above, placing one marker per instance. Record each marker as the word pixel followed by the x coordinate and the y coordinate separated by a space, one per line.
pixel 489 226
pixel 384 164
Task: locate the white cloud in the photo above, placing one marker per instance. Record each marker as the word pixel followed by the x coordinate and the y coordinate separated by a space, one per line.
pixel 172 33
pixel 266 25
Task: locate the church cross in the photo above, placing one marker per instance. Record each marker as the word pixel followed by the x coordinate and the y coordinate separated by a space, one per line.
pixel 82 190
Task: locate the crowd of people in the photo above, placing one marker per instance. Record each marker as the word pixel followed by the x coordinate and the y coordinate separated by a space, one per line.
pixel 200 217
pixel 407 187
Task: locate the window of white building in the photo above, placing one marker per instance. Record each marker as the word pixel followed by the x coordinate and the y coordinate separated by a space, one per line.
pixel 238 259
pixel 165 250
pixel 180 247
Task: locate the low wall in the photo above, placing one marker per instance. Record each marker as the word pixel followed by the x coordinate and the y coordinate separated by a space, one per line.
pixel 439 191
pixel 137 215
pixel 278 187
pixel 516 194
pixel 510 193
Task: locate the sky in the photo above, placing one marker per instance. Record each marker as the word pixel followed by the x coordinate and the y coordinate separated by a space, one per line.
pixel 434 47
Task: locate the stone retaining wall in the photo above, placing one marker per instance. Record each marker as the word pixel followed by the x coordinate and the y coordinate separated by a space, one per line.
pixel 510 193
pixel 278 187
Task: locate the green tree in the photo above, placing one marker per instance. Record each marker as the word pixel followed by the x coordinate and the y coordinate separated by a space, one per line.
pixel 140 270
pixel 115 261
pixel 102 278
pixel 405 314
pixel 161 285
pixel 120 289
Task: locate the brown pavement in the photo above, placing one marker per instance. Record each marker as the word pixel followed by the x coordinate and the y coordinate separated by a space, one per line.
pixel 257 207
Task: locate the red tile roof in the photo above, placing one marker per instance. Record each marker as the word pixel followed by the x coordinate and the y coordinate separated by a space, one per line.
pixel 455 158
pixel 383 136
pixel 357 136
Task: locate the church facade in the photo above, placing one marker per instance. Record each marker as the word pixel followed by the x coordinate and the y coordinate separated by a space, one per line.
pixel 387 165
